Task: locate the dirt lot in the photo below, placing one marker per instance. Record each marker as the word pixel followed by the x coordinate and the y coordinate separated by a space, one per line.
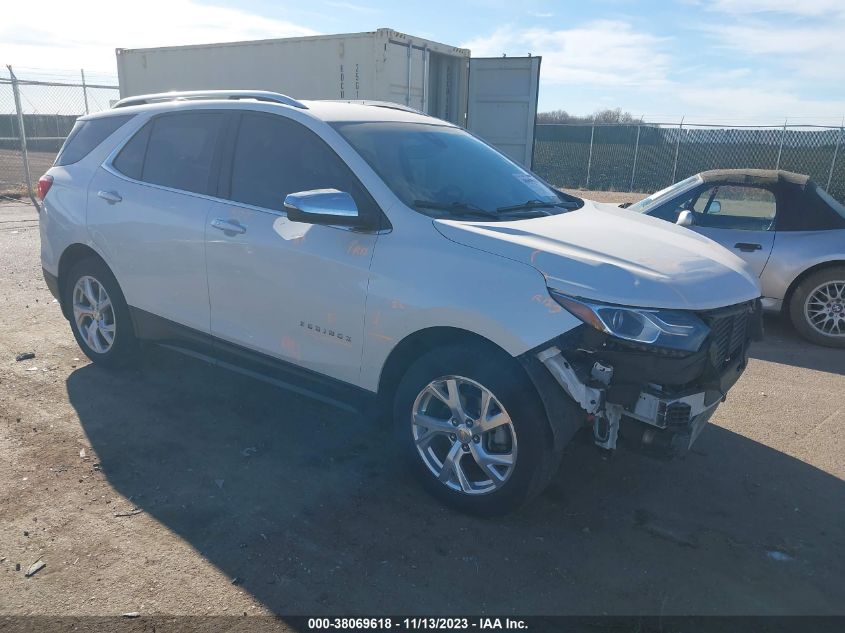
pixel 253 500
pixel 12 180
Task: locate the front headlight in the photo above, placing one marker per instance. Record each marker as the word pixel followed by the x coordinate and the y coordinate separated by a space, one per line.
pixel 662 328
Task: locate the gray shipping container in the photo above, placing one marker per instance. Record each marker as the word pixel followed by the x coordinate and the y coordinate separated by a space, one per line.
pixel 499 101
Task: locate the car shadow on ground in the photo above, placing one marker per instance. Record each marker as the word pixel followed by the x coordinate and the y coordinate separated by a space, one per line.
pixel 310 509
pixel 782 344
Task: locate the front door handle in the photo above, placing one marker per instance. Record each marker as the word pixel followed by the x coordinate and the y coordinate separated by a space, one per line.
pixel 228 226
pixel 112 197
pixel 748 247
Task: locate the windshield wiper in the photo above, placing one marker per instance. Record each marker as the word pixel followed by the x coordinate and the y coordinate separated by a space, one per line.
pixel 534 204
pixel 464 208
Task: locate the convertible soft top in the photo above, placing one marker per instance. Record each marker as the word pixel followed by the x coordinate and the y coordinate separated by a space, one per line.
pixel 800 205
pixel 755 177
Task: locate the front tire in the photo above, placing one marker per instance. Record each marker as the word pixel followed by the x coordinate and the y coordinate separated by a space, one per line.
pixel 99 316
pixel 817 307
pixel 474 430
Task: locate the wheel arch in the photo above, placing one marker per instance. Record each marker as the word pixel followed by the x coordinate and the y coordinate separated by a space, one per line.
pixel 70 256
pixel 562 419
pixel 787 297
pixel 417 343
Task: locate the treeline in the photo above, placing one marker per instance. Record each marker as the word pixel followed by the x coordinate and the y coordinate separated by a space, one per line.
pixel 610 115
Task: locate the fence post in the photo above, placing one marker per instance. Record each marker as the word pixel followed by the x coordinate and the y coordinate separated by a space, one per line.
pixel 835 152
pixel 780 147
pixel 22 131
pixel 636 150
pixel 84 89
pixel 590 155
pixel 677 149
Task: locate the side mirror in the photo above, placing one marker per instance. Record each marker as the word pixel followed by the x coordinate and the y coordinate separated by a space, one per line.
pixel 715 207
pixel 322 206
pixel 685 218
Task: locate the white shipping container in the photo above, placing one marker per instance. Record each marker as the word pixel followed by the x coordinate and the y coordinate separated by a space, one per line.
pixel 499 104
pixel 375 66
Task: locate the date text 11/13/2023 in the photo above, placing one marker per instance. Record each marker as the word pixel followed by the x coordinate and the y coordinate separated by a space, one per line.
pixel 417 623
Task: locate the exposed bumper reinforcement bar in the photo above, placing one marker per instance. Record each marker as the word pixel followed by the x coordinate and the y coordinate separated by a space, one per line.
pixel 656 423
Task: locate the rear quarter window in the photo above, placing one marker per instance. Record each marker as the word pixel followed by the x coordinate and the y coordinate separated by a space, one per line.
pixel 130 160
pixel 86 135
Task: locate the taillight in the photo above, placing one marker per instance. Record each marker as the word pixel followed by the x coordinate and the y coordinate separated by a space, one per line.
pixel 44 184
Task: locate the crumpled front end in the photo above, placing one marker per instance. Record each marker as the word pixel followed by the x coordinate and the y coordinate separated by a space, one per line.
pixel 652 400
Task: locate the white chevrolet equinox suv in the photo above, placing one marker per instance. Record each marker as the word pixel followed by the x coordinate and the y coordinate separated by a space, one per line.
pixel 368 253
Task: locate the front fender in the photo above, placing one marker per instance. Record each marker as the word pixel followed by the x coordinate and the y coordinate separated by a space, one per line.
pixel 430 281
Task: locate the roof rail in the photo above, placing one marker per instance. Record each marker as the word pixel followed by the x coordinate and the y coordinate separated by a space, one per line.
pixel 258 95
pixel 378 104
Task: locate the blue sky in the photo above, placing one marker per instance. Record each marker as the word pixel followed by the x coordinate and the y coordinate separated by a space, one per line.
pixel 735 61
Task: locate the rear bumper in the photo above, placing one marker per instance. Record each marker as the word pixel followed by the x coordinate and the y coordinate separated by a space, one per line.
pixel 52 284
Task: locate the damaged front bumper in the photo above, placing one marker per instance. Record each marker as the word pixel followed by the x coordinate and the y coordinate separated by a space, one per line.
pixel 652 401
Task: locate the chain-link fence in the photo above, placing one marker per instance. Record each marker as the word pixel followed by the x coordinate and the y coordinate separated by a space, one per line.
pixel 613 157
pixel 649 156
pixel 45 112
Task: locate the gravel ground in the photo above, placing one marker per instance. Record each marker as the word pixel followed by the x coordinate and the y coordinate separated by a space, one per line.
pixel 607 196
pixel 177 488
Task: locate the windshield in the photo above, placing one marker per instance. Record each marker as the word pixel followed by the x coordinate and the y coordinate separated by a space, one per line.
pixel 445 172
pixel 664 194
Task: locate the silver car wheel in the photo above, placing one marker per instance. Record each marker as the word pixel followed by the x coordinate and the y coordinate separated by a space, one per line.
pixel 93 313
pixel 824 308
pixel 464 435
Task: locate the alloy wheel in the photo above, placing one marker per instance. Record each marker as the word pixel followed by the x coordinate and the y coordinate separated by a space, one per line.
pixel 825 308
pixel 94 315
pixel 464 435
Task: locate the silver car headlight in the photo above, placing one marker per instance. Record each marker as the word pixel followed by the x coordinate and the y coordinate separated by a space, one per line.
pixel 672 329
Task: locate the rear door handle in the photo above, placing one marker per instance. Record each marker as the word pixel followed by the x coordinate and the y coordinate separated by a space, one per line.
pixel 112 197
pixel 228 227
pixel 748 247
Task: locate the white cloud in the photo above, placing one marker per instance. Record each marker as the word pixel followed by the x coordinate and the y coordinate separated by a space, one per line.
pixel 759 103
pixel 610 63
pixel 791 7
pixel 603 52
pixel 85 36
pixel 806 48
pixel 352 7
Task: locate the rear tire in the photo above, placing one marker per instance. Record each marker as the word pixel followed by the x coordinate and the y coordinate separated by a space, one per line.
pixel 498 456
pixel 817 307
pixel 99 316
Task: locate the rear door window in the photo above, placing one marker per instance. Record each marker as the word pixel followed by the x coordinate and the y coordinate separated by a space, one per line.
pixel 86 135
pixel 275 156
pixel 180 151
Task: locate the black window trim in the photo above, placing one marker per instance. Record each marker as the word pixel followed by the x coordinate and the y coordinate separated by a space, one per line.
pixel 216 161
pixel 380 224
pixel 222 164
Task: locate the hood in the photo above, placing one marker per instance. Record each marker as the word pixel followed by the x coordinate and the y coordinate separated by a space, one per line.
pixel 605 253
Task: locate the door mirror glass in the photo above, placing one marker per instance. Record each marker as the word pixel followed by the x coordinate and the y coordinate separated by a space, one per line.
pixel 322 206
pixel 685 218
pixel 715 207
